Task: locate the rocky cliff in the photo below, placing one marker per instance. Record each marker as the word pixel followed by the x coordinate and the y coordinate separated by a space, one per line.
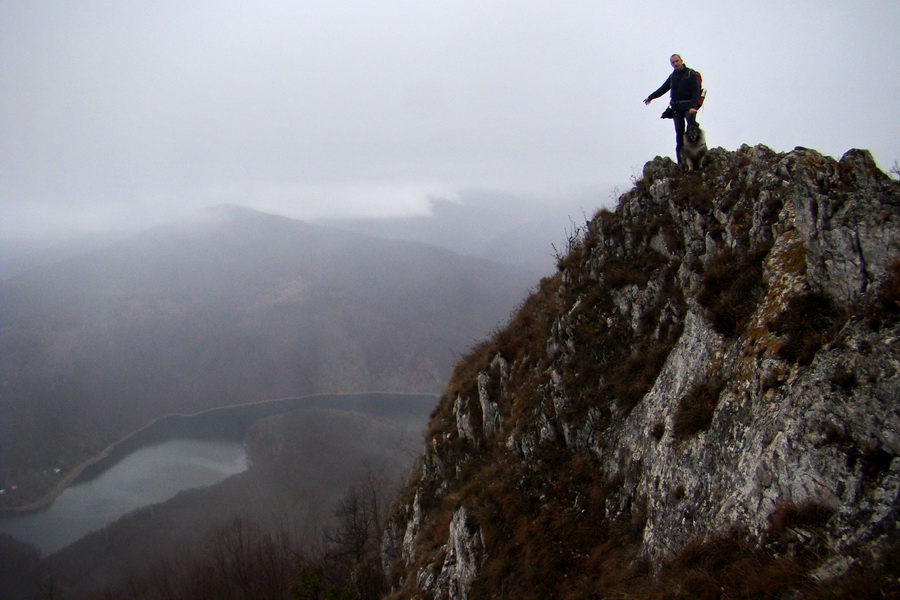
pixel 702 401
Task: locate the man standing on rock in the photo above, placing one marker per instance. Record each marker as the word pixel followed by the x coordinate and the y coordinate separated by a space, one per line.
pixel 683 86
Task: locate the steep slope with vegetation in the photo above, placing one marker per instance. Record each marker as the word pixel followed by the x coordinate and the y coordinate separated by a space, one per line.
pixel 702 402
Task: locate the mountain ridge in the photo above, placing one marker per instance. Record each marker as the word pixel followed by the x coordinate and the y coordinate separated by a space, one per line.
pixel 514 229
pixel 701 402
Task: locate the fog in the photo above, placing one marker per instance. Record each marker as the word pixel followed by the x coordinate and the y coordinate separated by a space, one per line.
pixel 128 114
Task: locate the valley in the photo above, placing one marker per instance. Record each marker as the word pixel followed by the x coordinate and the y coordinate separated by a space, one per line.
pixel 232 308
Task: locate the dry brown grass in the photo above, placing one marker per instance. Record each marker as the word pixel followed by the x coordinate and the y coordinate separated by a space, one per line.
pixel 888 307
pixel 548 519
pixel 788 514
pixel 731 287
pixel 526 334
pixel 808 322
pixel 632 378
pixel 727 567
pixel 696 408
pixel 689 191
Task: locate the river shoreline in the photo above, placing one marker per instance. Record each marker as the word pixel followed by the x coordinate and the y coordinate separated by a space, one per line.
pixel 67 480
pixel 254 411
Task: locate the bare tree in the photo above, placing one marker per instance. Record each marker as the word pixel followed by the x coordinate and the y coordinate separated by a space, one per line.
pixel 243 560
pixel 353 544
pixel 253 563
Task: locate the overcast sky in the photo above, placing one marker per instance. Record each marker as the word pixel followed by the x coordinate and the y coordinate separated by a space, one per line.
pixel 118 111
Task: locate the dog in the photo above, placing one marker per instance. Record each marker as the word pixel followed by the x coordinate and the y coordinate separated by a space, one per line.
pixel 693 149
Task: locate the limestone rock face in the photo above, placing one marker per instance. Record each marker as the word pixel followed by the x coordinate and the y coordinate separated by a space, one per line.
pixel 718 358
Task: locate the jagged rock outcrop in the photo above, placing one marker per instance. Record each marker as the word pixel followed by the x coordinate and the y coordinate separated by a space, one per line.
pixel 710 379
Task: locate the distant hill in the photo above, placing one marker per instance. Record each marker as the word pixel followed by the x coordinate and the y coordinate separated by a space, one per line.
pixel 512 229
pixel 236 307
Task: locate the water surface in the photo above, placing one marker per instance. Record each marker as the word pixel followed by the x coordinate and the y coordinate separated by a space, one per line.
pixel 147 476
pixel 176 453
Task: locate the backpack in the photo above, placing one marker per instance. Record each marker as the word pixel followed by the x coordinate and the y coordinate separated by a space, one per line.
pixel 702 89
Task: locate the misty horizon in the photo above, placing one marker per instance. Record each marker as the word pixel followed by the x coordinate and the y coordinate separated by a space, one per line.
pixel 120 115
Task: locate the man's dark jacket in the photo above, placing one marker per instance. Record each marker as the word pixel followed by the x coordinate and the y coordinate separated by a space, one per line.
pixel 684 88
